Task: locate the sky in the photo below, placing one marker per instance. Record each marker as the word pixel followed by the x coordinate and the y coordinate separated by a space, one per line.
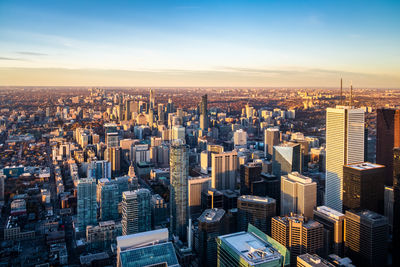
pixel 268 43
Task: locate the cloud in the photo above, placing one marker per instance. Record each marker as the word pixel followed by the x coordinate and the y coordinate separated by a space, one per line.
pixel 28 53
pixel 12 58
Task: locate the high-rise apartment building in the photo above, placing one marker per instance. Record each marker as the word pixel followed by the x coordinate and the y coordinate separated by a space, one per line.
pixel 298 195
pixel 333 222
pixel 344 145
pixel 136 211
pixel 101 236
pixel 203 113
pixel 99 169
pixel 387 138
pixel 256 210
pixel 224 170
pixel 271 139
pixel 366 237
pixel 298 235
pixel 86 203
pixel 240 138
pixel 179 172
pixel 112 139
pixel 109 200
pixel 363 186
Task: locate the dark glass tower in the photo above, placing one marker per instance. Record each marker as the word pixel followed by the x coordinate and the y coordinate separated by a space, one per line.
pixel 387 138
pixel 396 206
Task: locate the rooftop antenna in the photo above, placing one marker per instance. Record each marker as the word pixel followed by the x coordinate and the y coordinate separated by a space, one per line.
pixel 341 91
pixel 351 93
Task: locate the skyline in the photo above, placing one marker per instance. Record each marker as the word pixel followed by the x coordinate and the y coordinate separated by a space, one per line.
pixel 193 43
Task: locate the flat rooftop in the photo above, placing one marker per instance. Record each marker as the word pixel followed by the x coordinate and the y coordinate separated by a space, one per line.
pixel 315 260
pixel 212 215
pixel 251 248
pixel 364 166
pixel 257 199
pixel 330 212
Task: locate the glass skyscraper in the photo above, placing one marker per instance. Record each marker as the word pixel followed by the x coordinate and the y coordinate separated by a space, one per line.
pixel 87 206
pixel 179 173
pixel 136 211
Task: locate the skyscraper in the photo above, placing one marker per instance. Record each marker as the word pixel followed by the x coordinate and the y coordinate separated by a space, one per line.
pixel 344 145
pixel 113 155
pixel 136 211
pixel 87 205
pixel 203 113
pixel 224 170
pixel 271 139
pixel 333 222
pixel 179 172
pixel 298 235
pixel 240 138
pixel 108 201
pixel 396 205
pixel 363 186
pixel 249 173
pixel 256 210
pixel 211 225
pixel 286 158
pixel 298 195
pixel 387 138
pixel 366 237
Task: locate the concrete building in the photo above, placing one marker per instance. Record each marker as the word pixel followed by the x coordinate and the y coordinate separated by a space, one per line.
pixel 103 235
pixel 298 235
pixel 224 170
pixel 271 139
pixel 298 195
pixel 196 186
pixel 333 222
pixel 136 211
pixel 240 138
pixel 344 145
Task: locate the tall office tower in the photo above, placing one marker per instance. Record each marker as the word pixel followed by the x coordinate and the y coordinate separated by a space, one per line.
pixel 388 204
pixel 366 237
pixel 251 248
pixel 113 155
pixel 99 169
pixel 197 185
pixel 298 235
pixel 211 225
pixel 179 172
pixel 212 199
pixel 146 249
pixel 333 222
pixel 344 145
pixel 203 113
pixel 240 138
pixel 170 106
pixel 159 211
pixel 161 113
pixel 396 205
pixel 87 205
pixel 256 210
pixel 286 158
pixel 127 109
pixel 363 186
pixel 387 138
pixel 109 200
pixel 136 211
pixel 224 170
pixel 112 140
pixel 271 139
pixel 308 260
pixel 298 195
pixel 2 182
pixel 249 173
pixel 272 188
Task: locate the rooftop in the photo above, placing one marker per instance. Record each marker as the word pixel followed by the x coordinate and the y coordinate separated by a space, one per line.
pixel 330 212
pixel 364 166
pixel 257 199
pixel 212 215
pixel 251 248
pixel 315 260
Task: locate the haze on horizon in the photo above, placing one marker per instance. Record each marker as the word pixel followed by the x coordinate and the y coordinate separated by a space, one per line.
pixel 200 43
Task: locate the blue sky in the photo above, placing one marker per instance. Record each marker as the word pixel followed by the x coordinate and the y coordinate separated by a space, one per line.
pixel 200 43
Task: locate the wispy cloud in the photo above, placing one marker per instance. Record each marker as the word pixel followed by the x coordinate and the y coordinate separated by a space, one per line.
pixel 28 53
pixel 13 58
